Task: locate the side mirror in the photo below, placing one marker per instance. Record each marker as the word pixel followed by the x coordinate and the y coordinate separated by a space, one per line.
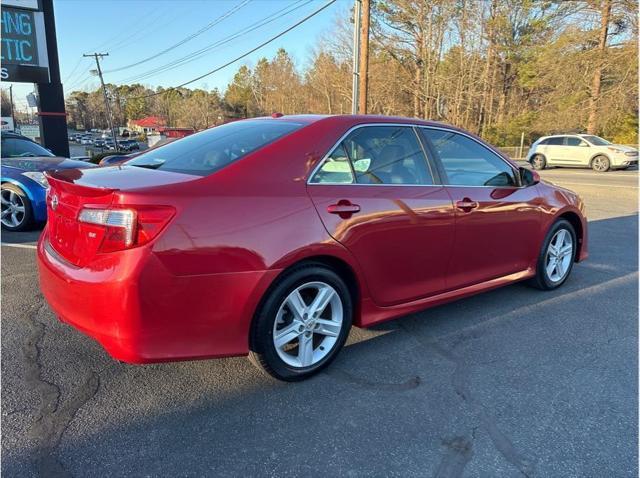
pixel 529 177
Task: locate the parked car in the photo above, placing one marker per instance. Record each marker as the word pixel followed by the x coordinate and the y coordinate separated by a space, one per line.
pixel 114 159
pixel 581 150
pixel 22 181
pixel 86 140
pixel 272 237
pixel 99 143
pixel 119 158
pixel 128 145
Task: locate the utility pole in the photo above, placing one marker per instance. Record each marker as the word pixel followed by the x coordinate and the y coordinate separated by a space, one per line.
pixel 13 116
pixel 364 56
pixel 356 57
pixel 98 57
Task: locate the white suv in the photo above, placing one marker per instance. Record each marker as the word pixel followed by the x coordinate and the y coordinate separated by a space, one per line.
pixel 580 150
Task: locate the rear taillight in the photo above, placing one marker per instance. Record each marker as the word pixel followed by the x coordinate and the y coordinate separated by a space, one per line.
pixel 123 228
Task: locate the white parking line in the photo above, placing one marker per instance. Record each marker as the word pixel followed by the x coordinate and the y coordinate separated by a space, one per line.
pixel 19 246
pixel 560 182
pixel 569 172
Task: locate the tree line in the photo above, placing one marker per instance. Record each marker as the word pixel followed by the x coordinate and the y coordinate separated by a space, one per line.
pixel 495 67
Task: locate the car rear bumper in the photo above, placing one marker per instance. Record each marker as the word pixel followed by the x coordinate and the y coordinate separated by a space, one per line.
pixel 140 312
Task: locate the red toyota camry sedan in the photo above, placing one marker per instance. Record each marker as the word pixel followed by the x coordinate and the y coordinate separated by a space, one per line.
pixel 271 237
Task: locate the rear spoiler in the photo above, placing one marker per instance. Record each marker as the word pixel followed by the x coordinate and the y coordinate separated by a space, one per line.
pixel 64 179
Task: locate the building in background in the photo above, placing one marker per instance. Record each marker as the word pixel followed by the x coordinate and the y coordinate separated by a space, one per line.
pixel 147 125
pixel 163 133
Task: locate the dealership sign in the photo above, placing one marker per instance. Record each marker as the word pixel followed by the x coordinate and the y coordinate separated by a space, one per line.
pixel 7 123
pixel 23 45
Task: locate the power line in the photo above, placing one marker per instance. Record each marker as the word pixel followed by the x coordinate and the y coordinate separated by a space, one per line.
pixel 186 39
pixel 126 29
pixel 75 68
pixel 273 38
pixel 202 51
pixel 151 26
pixel 81 79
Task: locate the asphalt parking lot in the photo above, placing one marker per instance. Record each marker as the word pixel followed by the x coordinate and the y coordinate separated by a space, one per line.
pixel 515 382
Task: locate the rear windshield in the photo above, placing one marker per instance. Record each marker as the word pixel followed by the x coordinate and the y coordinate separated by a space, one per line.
pixel 210 150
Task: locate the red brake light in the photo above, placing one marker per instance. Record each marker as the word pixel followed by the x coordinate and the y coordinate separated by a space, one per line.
pixel 125 227
pixel 151 220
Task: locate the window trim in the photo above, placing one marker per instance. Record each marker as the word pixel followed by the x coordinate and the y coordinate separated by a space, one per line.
pixel 445 178
pixel 433 169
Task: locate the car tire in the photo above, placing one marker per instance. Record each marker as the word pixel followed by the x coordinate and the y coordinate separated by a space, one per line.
pixel 538 162
pixel 601 164
pixel 547 277
pixel 292 341
pixel 15 199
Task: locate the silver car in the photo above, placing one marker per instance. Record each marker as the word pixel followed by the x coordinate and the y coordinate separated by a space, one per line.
pixel 580 150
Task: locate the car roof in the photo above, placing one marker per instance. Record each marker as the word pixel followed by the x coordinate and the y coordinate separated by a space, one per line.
pixel 8 134
pixel 563 135
pixel 353 120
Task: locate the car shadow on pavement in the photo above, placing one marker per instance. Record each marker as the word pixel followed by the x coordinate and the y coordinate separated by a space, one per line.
pixel 26 237
pixel 511 382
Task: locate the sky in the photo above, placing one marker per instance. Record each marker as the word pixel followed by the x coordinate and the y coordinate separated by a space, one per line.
pixel 134 30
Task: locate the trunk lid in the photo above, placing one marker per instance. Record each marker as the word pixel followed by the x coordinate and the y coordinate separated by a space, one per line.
pixel 73 190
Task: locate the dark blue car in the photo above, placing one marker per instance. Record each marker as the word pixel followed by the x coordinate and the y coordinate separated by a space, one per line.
pixel 22 182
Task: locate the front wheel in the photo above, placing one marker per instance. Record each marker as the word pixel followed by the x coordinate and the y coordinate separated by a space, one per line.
pixel 601 164
pixel 16 214
pixel 556 256
pixel 303 323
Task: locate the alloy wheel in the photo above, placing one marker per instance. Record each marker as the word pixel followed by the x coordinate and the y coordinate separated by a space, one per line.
pixel 559 255
pixel 12 207
pixel 600 164
pixel 308 324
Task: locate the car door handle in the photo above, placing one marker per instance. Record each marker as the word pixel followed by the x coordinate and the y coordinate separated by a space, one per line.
pixel 467 204
pixel 343 208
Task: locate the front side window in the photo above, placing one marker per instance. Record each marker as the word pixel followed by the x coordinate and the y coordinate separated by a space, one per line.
pixel 210 150
pixel 387 155
pixel 597 140
pixel 468 163
pixel 22 148
pixel 575 141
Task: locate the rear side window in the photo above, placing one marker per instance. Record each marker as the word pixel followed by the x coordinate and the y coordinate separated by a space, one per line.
pixel 387 155
pixel 208 151
pixel 559 141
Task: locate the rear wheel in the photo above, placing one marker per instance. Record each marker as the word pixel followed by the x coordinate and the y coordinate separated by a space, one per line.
pixel 16 214
pixel 600 164
pixel 303 323
pixel 556 256
pixel 538 162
